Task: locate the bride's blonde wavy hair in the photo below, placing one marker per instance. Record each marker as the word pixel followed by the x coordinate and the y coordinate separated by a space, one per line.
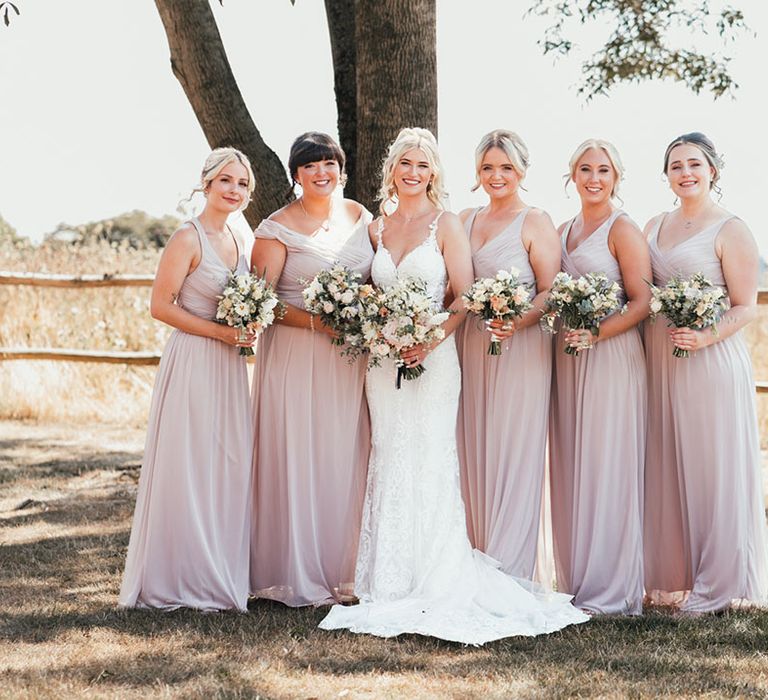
pixel 407 140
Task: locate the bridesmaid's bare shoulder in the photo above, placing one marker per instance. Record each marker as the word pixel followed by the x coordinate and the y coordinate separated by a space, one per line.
pixel 285 215
pixel 450 224
pixel 653 223
pixel 353 209
pixel 538 225
pixel 464 214
pixel 626 231
pixel 735 232
pixel 184 238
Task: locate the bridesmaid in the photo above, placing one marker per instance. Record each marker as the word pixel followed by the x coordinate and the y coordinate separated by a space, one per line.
pixel 189 540
pixel 502 426
pixel 705 531
pixel 597 441
pixel 312 431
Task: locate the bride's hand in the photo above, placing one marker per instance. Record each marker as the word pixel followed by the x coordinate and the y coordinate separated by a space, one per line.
pixel 414 355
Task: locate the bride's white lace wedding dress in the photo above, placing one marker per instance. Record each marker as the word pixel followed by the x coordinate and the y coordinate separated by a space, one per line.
pixel 416 571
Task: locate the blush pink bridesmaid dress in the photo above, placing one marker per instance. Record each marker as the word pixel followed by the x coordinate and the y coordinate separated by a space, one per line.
pixel 597 455
pixel 312 436
pixel 705 529
pixel 503 415
pixel 189 540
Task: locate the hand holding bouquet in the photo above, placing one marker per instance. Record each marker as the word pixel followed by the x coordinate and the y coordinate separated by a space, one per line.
pixel 688 302
pixel 400 317
pixel 580 303
pixel 247 302
pixel 338 298
pixel 500 298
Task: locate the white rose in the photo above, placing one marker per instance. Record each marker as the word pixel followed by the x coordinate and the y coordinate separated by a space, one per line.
pixel 655 306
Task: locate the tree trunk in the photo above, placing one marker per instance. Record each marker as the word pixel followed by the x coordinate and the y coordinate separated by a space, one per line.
pixel 341 26
pixel 396 80
pixel 200 63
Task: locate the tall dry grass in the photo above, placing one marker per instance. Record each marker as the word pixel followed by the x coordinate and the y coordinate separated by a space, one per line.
pixel 109 318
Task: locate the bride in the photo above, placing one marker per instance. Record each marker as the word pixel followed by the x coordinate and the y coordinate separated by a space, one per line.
pixel 416 571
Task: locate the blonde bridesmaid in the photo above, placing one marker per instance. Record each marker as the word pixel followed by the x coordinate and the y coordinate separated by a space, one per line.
pixel 503 413
pixel 189 540
pixel 705 531
pixel 597 441
pixel 312 430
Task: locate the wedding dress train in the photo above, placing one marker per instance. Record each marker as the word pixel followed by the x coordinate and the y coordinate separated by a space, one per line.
pixel 416 571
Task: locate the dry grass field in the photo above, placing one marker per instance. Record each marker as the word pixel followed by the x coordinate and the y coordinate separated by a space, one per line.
pixel 71 438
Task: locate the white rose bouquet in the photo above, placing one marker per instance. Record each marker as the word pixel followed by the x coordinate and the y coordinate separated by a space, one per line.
pixel 398 318
pixel 500 298
pixel 688 302
pixel 580 303
pixel 338 299
pixel 248 300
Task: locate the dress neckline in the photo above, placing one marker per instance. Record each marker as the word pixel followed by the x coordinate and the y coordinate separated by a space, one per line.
pixel 430 237
pixel 566 234
pixel 216 255
pixel 523 211
pixel 315 235
pixel 665 251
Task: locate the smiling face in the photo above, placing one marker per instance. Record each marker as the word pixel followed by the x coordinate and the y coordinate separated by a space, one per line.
pixel 594 176
pixel 689 171
pixel 498 176
pixel 318 178
pixel 228 190
pixel 412 173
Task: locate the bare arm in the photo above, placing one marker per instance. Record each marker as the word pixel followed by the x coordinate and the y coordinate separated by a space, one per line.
pixel 268 259
pixel 739 258
pixel 631 251
pixel 180 257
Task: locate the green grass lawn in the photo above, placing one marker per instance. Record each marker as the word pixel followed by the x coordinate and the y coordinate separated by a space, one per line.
pixel 61 559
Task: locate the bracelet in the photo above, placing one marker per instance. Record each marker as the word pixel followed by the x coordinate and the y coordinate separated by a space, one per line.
pixel 312 322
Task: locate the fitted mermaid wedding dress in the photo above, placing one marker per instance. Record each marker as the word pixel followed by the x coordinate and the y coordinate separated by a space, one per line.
pixel 416 571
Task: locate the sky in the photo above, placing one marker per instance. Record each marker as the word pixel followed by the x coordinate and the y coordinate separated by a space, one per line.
pixel 93 123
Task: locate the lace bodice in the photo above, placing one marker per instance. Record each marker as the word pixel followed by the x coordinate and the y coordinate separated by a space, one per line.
pixel 424 262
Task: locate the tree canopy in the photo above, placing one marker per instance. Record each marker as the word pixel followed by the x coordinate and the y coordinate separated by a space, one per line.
pixel 385 69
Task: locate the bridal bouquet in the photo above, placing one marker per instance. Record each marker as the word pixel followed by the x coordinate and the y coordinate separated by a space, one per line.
pixel 688 302
pixel 401 316
pixel 580 303
pixel 501 297
pixel 247 300
pixel 338 298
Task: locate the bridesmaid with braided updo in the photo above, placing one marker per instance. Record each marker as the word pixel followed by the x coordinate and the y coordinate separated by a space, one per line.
pixel 705 531
pixel 312 431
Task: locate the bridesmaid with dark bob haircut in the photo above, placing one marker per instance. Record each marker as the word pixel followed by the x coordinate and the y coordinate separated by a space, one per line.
pixel 312 433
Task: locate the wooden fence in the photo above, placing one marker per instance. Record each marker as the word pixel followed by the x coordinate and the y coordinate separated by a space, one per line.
pixel 128 358
pixel 30 279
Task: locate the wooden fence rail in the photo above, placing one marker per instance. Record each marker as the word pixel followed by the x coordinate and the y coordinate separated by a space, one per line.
pixel 129 358
pixel 114 358
pixel 34 279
